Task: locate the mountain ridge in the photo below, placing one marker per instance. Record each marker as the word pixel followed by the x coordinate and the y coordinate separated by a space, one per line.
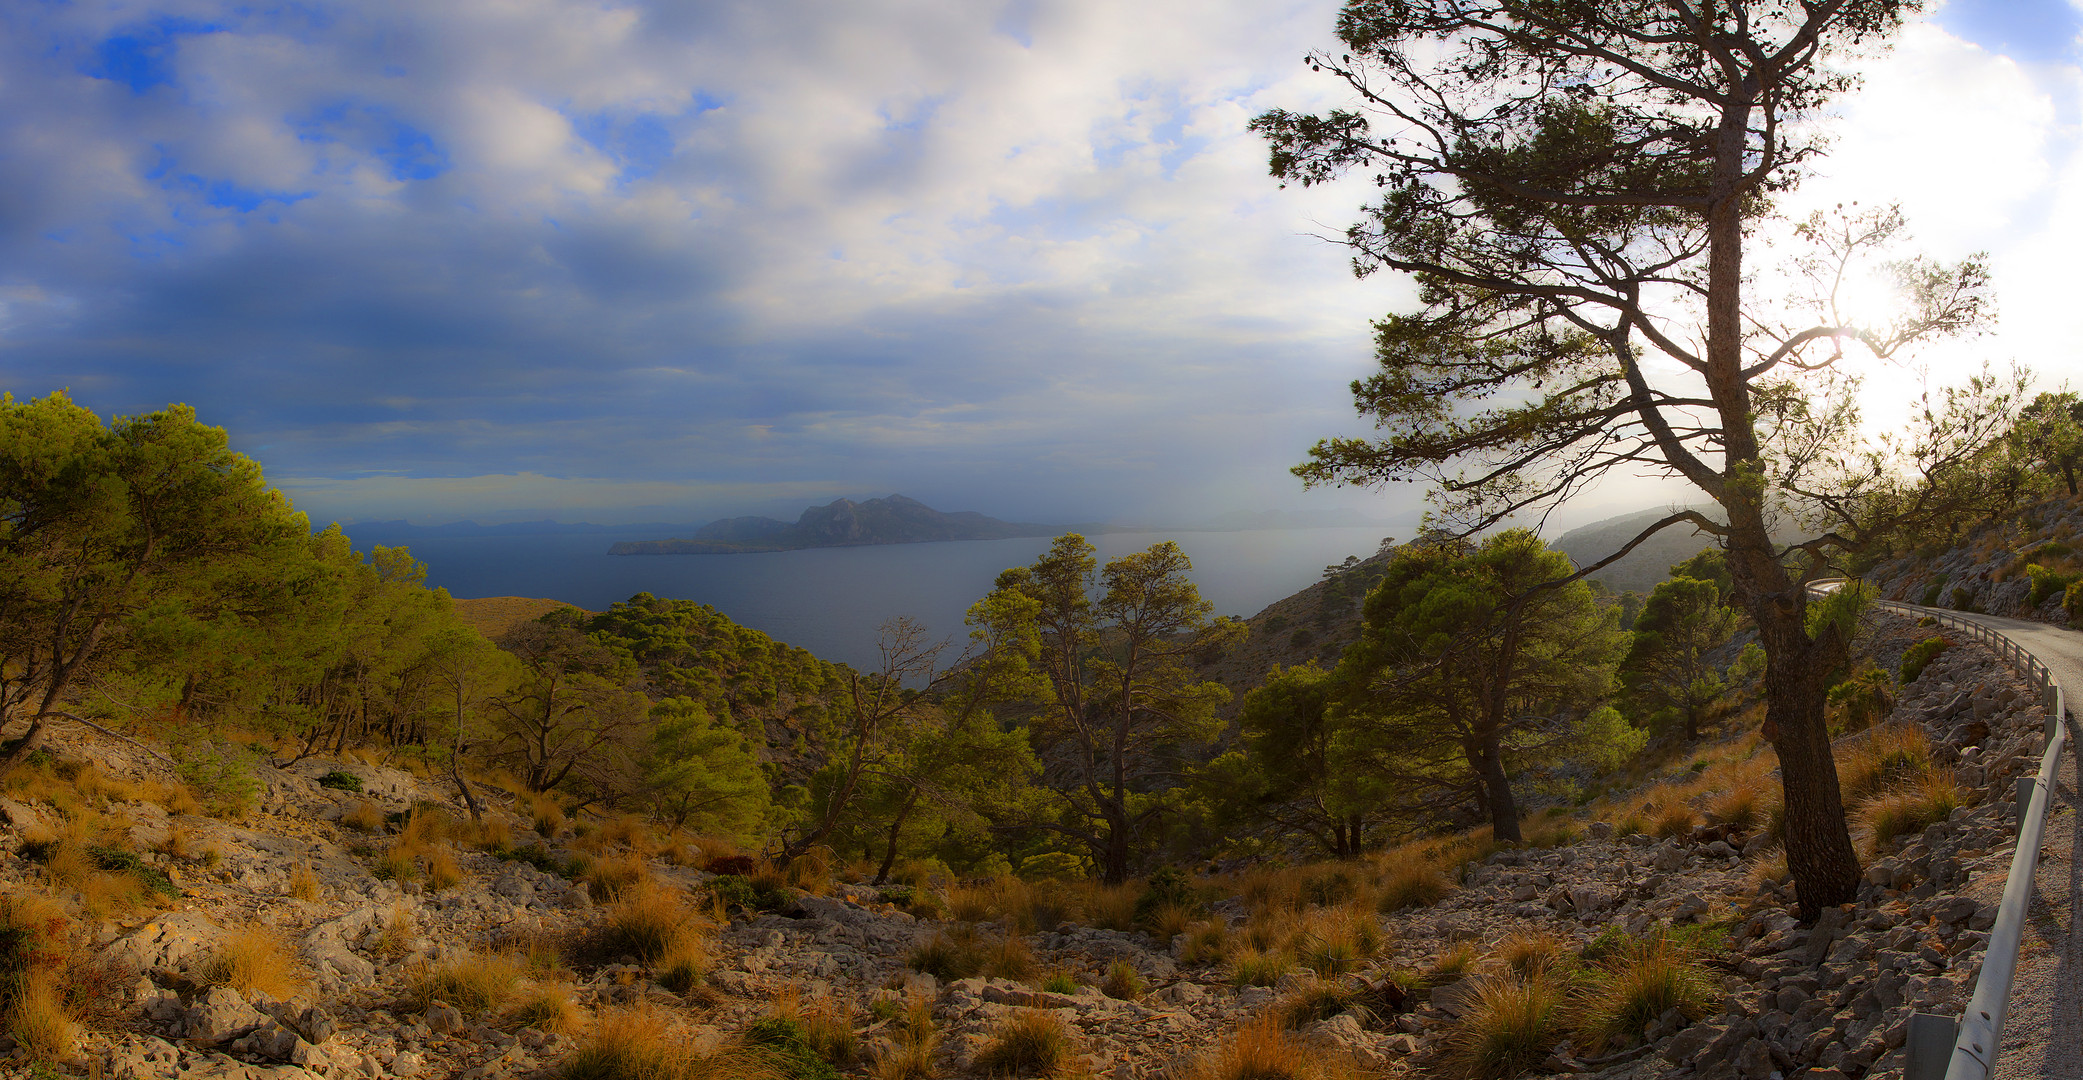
pixel 840 523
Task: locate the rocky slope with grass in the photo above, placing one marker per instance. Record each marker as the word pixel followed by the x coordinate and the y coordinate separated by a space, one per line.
pixel 1990 568
pixel 352 920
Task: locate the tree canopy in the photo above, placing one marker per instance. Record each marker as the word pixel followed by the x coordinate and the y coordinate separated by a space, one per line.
pixel 1575 189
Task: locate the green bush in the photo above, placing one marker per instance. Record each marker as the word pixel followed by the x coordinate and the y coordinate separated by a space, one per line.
pixel 790 1045
pixel 1916 657
pixel 739 892
pixel 1864 698
pixel 1933 590
pixel 115 860
pixel 1964 599
pixel 2046 583
pixel 221 774
pixel 341 780
pixel 2072 601
pixel 1168 887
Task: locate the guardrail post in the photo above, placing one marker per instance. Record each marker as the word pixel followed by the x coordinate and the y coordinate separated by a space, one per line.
pixel 2024 797
pixel 1929 1046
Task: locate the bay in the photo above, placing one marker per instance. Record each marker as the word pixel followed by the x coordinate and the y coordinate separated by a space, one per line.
pixel 832 600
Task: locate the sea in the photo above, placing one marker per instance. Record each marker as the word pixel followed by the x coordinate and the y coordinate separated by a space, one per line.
pixel 833 601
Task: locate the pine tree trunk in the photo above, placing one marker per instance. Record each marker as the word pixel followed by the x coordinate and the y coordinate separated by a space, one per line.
pixel 1504 812
pixel 1819 850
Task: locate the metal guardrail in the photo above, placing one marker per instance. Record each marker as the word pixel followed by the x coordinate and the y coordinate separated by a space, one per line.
pixel 1977 1036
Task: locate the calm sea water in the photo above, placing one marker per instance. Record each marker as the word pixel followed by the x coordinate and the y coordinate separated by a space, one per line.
pixel 831 600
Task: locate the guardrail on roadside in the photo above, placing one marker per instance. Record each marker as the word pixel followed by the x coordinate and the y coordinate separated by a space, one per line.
pixel 1966 1048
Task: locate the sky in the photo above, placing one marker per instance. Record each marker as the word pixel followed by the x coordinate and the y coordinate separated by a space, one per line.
pixel 512 259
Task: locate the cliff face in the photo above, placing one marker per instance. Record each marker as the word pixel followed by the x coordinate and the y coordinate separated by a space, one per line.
pixel 841 523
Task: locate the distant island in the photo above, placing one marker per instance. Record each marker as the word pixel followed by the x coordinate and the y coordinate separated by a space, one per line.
pixel 842 523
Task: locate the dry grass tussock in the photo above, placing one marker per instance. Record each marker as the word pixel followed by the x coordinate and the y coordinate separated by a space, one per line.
pixel 655 924
pixel 1029 1041
pixel 640 1045
pixel 1889 755
pixel 548 1007
pixel 1632 990
pixel 253 961
pixel 911 1028
pixel 38 1020
pixel 1263 1050
pixel 363 816
pixel 543 813
pixel 1511 1027
pixel 303 884
pixel 476 985
pixel 1907 810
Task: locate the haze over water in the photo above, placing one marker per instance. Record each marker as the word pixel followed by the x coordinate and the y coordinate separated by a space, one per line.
pixel 831 600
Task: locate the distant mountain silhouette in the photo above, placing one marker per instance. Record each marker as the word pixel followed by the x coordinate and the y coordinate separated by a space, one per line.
pixel 1641 569
pixel 842 523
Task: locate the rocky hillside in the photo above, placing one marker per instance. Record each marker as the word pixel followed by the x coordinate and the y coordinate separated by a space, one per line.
pixel 1316 624
pixel 1986 570
pixel 379 933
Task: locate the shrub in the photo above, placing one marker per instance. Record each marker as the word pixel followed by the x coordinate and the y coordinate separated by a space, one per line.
pixel 2046 583
pixel 791 1047
pixel 1964 599
pixel 1919 656
pixel 341 780
pixel 252 961
pixel 1863 698
pixel 1639 985
pixel 116 860
pixel 1060 982
pixel 1123 982
pixel 1510 1028
pixel 732 865
pixel 732 891
pixel 2072 602
pixel 1029 1041
pixel 1168 887
pixel 1932 590
pixel 476 985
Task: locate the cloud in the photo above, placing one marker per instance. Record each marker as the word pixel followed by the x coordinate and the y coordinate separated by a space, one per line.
pixel 1020 257
pixel 1017 253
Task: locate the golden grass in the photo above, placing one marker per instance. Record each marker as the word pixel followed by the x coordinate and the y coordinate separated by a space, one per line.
pixel 1673 819
pixel 363 816
pixel 1511 1026
pixel 1010 958
pixel 396 936
pixel 1123 982
pixel 1206 943
pixel 1455 961
pixel 1908 810
pixel 640 1045
pixel 1262 1050
pixel 1028 1041
pixel 442 871
pixel 608 879
pixel 490 833
pixel 253 961
pixel 476 985
pixel 828 1029
pixel 1889 755
pixel 544 814
pixel 303 884
pixel 548 1008
pixel 1259 967
pixel 1636 989
pixel 648 920
pixel 1530 953
pixel 38 1020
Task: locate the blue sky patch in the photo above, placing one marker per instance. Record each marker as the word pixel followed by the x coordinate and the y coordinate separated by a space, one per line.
pixel 377 131
pixel 2036 31
pixel 143 57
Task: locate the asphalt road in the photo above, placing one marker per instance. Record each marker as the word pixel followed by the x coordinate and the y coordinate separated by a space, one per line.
pixel 2043 1032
